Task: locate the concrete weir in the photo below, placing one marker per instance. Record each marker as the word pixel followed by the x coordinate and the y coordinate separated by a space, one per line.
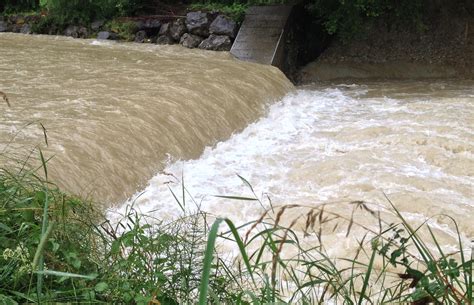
pixel 261 38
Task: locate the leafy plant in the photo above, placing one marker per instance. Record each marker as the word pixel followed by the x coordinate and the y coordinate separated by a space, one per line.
pixel 58 248
pixel 348 17
pixel 125 30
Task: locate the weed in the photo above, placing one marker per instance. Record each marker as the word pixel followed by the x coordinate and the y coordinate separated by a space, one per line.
pixel 58 248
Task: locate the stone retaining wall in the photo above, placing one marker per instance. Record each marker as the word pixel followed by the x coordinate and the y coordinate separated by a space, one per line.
pixel 209 31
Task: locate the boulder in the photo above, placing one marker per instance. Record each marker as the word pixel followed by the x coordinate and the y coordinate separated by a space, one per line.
pixel 165 30
pixel 216 43
pixel 72 31
pixel 177 29
pixel 13 18
pixel 103 35
pixel 32 18
pixel 150 26
pixel 3 26
pixel 76 31
pixel 97 25
pixel 82 32
pixel 165 39
pixel 15 28
pixel 140 36
pixel 198 23
pixel 20 20
pixel 223 25
pixel 26 29
pixel 53 30
pixel 190 41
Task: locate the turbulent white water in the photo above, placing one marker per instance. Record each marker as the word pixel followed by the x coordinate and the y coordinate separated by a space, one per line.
pixel 114 113
pixel 413 141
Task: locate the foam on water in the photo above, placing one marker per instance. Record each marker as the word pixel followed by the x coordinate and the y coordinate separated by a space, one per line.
pixel 336 143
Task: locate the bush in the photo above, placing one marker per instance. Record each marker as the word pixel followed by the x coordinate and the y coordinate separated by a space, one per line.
pixel 10 6
pixel 347 18
pixel 59 248
pixel 125 30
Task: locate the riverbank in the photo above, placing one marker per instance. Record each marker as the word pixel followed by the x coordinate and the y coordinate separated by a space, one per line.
pixel 193 29
pixel 442 46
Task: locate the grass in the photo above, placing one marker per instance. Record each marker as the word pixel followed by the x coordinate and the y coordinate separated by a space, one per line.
pixel 233 9
pixel 56 247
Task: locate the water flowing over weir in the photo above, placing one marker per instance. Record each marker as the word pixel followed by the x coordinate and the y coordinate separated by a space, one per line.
pixel 339 143
pixel 115 113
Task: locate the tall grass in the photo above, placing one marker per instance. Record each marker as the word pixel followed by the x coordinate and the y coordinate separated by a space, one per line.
pixel 407 269
pixel 56 247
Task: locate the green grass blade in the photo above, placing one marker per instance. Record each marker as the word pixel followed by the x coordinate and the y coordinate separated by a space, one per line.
pixel 241 246
pixel 41 245
pixel 367 276
pixel 208 257
pixel 44 229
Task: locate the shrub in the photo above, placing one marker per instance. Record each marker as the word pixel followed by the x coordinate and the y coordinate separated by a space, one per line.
pixel 125 30
pixel 347 18
pixel 10 6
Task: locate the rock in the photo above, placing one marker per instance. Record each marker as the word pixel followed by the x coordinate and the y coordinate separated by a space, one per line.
pixel 150 26
pixel 165 30
pixel 190 41
pixel 198 23
pixel 76 31
pixel 16 28
pixel 72 31
pixel 32 18
pixel 96 25
pixel 103 35
pixel 53 30
pixel 20 20
pixel 177 29
pixel 3 26
pixel 83 32
pixel 223 25
pixel 26 29
pixel 165 39
pixel 140 36
pixel 216 43
pixel 12 18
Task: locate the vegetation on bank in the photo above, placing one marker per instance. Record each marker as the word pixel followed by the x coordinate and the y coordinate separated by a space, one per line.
pixel 342 18
pixel 56 247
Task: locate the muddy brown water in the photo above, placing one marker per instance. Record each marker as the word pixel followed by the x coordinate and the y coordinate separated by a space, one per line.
pixel 122 119
pixel 115 113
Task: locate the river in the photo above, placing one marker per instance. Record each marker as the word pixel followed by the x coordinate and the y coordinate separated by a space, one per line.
pixel 129 121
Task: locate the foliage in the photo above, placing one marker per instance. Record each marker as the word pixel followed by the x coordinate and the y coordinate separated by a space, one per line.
pixel 278 268
pixel 125 30
pixel 233 10
pixel 28 206
pixel 9 6
pixel 52 250
pixel 81 11
pixel 58 248
pixel 347 17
